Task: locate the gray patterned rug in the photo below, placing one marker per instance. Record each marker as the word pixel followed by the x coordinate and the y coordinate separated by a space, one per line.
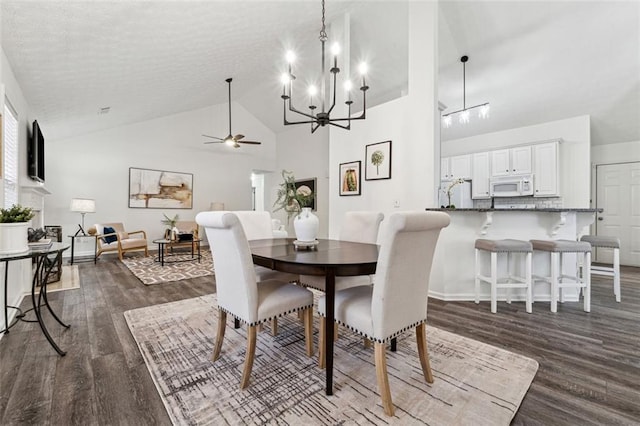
pixel 474 383
pixel 176 267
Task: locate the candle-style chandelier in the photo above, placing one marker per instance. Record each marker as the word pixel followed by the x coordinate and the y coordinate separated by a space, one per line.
pixel 323 117
pixel 463 117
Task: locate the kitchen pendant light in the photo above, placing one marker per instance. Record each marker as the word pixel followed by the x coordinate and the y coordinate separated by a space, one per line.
pixel 464 113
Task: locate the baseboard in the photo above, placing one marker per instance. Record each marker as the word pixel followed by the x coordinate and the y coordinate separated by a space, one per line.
pixel 11 313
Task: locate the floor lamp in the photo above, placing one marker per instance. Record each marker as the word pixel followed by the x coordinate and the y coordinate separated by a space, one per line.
pixel 82 206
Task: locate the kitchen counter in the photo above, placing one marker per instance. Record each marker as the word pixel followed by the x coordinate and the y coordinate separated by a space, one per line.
pixel 453 270
pixel 549 210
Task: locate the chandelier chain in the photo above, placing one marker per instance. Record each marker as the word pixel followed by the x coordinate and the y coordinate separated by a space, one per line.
pixel 323 32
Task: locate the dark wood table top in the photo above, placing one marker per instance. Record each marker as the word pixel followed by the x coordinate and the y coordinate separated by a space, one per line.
pixel 344 257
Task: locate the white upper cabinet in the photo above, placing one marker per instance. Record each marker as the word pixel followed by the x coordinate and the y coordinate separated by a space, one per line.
pixel 545 169
pixel 455 167
pixel 480 174
pixel 513 161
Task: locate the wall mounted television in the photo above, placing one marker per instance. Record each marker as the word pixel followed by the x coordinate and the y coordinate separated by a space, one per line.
pixel 35 154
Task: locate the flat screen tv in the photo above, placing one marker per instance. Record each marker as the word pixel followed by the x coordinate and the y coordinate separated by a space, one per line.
pixel 35 154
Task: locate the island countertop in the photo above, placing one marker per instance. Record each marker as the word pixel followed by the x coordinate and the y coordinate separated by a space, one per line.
pixel 544 210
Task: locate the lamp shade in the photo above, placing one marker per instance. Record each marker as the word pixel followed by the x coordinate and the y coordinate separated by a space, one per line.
pixel 83 205
pixel 217 206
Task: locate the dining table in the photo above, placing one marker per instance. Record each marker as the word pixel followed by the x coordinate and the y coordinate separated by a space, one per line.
pixel 328 258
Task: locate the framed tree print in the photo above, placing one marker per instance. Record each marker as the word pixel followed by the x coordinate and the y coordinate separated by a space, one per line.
pixel 378 161
pixel 350 178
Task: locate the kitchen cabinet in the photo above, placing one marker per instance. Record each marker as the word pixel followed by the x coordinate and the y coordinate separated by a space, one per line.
pixel 455 167
pixel 545 170
pixel 512 161
pixel 480 174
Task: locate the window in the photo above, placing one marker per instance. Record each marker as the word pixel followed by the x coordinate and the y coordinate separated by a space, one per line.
pixel 10 155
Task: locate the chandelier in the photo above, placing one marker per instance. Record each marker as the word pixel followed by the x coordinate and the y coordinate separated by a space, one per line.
pixel 323 116
pixel 463 114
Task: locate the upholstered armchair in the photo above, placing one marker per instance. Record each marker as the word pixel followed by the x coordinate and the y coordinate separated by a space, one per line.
pixel 397 300
pixel 240 294
pixel 117 239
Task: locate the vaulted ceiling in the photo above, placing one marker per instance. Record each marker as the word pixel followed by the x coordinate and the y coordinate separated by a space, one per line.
pixel 533 61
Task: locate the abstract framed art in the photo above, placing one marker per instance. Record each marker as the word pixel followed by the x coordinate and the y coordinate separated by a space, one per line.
pixel 377 161
pixel 160 189
pixel 350 178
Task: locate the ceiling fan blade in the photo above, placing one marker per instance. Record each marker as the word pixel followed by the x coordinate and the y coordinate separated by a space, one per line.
pixel 250 142
pixel 213 142
pixel 213 137
pixel 238 136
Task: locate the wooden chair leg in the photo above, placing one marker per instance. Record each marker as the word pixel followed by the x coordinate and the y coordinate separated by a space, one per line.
pixel 423 353
pixel 321 354
pixel 383 378
pixel 274 327
pixel 308 330
pixel 222 326
pixel 252 331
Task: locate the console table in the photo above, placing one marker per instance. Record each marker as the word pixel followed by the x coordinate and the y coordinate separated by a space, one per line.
pixel 40 275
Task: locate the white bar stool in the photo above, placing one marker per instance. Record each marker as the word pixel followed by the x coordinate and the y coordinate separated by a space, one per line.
pixel 601 241
pixel 510 281
pixel 557 249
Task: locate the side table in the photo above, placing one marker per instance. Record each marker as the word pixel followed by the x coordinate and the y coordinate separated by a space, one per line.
pixel 95 248
pixel 162 244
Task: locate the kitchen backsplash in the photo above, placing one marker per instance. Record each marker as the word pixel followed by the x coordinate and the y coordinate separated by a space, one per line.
pixel 539 202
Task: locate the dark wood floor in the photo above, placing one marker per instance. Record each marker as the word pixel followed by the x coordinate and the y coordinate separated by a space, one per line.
pixel 589 363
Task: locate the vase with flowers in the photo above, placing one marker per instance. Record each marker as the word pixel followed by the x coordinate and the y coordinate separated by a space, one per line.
pixel 295 202
pixel 449 192
pixel 171 233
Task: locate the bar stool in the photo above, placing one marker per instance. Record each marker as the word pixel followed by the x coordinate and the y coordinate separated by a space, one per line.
pixel 557 250
pixel 511 281
pixel 602 241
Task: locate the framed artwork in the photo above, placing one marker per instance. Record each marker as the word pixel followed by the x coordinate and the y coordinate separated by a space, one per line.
pixel 378 161
pixel 159 189
pixel 308 186
pixel 350 178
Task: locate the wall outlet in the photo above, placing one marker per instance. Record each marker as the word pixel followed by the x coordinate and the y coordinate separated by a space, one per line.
pixel 396 204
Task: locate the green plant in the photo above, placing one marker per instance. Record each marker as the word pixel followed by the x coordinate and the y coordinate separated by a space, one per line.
pixel 290 199
pixel 170 222
pixel 376 159
pixel 16 213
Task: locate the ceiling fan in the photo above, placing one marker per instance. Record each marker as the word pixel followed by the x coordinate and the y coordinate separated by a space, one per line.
pixel 231 140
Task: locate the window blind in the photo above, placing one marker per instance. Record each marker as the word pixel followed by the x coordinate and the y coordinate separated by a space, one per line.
pixel 10 156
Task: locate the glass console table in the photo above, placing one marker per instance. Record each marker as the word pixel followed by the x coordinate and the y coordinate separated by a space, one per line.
pixel 45 259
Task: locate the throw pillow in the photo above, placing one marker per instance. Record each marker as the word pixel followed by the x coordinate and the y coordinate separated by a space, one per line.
pixel 109 238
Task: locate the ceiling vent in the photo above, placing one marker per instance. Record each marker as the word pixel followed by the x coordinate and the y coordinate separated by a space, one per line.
pixel 104 110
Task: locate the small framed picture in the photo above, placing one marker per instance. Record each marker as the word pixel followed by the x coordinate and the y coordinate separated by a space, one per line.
pixel 308 186
pixel 350 178
pixel 378 161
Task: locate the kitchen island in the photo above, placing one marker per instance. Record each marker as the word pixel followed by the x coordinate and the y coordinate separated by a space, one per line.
pixel 453 270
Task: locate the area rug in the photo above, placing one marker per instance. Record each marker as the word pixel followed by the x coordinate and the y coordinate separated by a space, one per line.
pixel 176 267
pixel 474 383
pixel 69 280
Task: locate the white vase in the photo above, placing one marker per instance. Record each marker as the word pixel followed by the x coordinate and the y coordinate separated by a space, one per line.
pixel 14 238
pixel 306 225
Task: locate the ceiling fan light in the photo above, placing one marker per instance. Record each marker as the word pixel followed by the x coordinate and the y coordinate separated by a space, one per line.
pixel 290 56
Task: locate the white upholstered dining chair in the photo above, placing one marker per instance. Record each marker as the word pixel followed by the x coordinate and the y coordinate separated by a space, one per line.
pixel 357 227
pixel 398 299
pixel 240 294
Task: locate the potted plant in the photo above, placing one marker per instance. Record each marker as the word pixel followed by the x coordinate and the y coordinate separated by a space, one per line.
pixel 295 202
pixel 14 225
pixel 171 232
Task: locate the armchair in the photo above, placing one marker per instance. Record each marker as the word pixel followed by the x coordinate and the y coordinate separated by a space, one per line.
pixel 124 241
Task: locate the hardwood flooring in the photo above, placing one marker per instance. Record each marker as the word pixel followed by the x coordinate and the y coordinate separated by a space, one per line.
pixel 589 363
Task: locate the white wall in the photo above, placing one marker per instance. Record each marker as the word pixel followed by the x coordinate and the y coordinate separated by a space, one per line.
pixel 575 152
pixel 409 122
pixel 97 166
pixel 624 152
pixel 307 156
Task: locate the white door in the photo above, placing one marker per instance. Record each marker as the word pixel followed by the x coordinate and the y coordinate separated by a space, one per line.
pixel 618 193
pixel 545 169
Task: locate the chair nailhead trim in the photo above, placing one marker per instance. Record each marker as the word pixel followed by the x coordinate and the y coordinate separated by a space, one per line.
pixel 375 339
pixel 302 308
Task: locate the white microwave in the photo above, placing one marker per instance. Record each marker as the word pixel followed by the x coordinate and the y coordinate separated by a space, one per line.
pixel 511 186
